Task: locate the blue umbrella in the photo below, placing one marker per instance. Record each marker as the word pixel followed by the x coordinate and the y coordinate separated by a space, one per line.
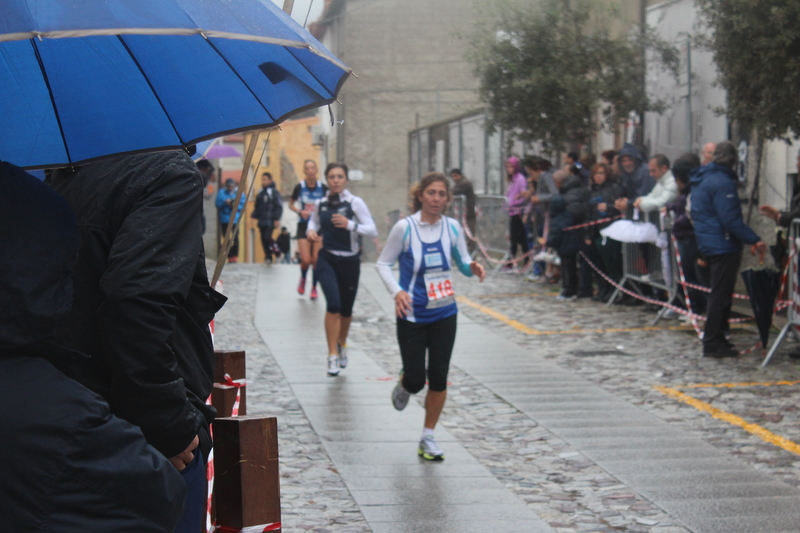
pixel 83 79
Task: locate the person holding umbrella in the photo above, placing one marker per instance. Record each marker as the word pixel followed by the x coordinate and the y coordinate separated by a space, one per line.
pixel 142 304
pixel 720 232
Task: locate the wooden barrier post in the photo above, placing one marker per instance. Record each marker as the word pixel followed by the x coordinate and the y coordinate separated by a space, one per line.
pixel 232 364
pixel 247 484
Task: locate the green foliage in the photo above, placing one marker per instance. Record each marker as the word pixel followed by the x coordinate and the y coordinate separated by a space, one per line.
pixel 546 69
pixel 756 45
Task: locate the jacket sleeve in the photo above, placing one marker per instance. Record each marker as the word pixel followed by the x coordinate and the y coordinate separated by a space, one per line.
pixel 151 264
pixel 659 197
pixel 728 209
pixel 548 187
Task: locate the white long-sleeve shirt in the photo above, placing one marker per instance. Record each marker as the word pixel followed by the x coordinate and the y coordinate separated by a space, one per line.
pixel 400 238
pixel 365 226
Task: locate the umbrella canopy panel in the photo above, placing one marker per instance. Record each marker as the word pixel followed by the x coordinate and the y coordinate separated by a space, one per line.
pixel 97 89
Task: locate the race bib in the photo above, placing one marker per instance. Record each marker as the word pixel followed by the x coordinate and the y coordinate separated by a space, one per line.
pixel 439 286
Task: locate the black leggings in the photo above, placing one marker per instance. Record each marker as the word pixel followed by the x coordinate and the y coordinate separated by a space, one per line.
pixel 517 235
pixel 435 337
pixel 338 277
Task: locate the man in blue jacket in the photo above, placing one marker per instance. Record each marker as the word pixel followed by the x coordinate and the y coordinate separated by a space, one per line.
pixel 720 232
pixel 224 203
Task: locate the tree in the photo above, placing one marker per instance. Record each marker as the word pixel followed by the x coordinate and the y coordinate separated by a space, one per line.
pixel 756 46
pixel 546 69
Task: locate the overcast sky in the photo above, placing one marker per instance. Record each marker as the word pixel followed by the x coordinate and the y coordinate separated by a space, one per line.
pixel 301 8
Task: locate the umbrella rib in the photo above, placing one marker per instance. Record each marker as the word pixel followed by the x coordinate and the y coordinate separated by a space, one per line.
pixel 152 89
pixel 236 73
pixel 52 97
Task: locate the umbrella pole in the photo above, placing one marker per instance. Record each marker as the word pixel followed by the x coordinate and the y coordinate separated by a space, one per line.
pixel 228 240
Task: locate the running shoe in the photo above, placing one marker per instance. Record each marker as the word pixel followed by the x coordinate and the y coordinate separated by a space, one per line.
pixel 333 365
pixel 429 450
pixel 342 353
pixel 301 288
pixel 400 395
pixel 314 295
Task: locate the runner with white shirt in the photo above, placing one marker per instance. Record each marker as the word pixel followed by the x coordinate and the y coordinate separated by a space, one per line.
pixel 337 219
pixel 427 245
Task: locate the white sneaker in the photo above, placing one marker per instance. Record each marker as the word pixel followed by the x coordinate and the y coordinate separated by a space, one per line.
pixel 342 355
pixel 429 450
pixel 333 365
pixel 400 395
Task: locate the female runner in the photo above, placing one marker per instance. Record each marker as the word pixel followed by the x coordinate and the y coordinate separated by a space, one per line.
pixel 336 220
pixel 307 192
pixel 427 245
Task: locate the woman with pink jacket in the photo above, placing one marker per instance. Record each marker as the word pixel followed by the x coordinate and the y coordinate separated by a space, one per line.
pixel 516 205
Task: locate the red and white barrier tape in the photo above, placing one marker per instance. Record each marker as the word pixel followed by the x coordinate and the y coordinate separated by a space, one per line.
pixel 695 325
pixel 483 250
pixel 638 296
pixel 210 476
pixel 248 529
pixel 594 223
pixel 228 383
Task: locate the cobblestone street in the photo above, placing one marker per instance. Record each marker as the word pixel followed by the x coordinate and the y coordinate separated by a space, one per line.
pixel 570 482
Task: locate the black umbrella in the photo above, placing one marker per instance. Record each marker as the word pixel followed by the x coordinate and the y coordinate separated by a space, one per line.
pixel 762 286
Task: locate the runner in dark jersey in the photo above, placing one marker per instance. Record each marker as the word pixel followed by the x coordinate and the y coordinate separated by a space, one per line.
pixel 304 195
pixel 338 219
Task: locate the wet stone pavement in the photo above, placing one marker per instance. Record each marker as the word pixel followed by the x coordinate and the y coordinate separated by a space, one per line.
pixel 556 480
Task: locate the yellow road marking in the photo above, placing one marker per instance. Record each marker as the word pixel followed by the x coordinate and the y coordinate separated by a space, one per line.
pixel 719 414
pixel 530 331
pixel 502 318
pixel 733 385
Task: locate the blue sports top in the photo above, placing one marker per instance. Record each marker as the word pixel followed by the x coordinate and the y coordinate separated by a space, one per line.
pixel 426 255
pixel 307 196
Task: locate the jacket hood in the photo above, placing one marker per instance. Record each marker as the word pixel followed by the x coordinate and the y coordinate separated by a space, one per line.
pixel 701 173
pixel 631 151
pixel 514 161
pixel 38 249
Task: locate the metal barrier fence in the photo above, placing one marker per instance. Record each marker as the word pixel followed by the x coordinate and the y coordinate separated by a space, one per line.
pixel 648 264
pixel 793 284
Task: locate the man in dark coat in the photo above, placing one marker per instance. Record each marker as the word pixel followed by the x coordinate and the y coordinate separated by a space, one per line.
pixel 720 232
pixel 68 465
pixel 268 211
pixel 142 303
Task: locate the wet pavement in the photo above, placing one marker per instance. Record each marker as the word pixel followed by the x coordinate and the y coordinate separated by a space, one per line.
pixel 560 417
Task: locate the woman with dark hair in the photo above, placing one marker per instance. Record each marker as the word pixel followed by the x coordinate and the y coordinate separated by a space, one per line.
pixel 336 220
pixel 604 189
pixel 517 184
pixel 683 231
pixel 427 245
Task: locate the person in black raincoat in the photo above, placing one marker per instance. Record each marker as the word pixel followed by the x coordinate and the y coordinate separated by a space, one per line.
pixel 68 465
pixel 143 303
pixel 635 177
pixel 268 211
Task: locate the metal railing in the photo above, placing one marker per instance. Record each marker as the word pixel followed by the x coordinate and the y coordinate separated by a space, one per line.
pixel 793 288
pixel 646 264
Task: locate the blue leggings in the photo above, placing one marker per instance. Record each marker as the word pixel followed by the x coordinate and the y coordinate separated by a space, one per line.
pixel 338 277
